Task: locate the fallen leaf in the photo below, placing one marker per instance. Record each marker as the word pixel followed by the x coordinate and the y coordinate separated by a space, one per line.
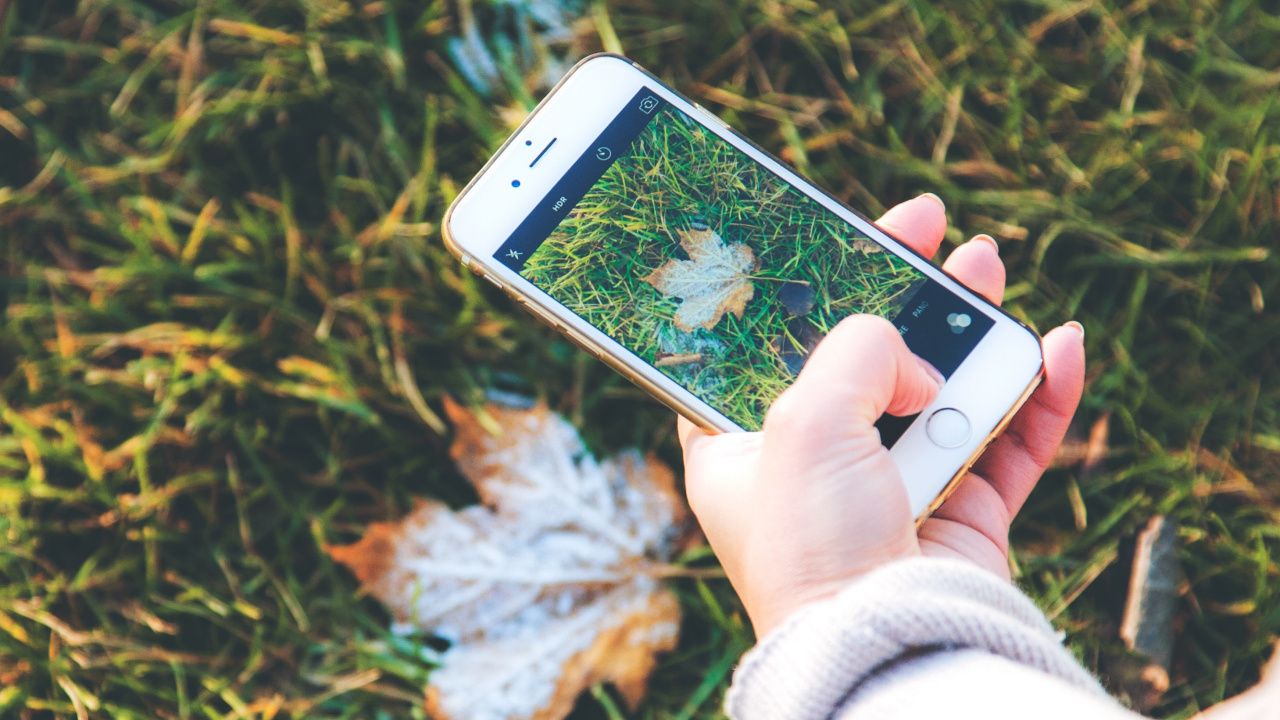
pixel 714 280
pixel 547 587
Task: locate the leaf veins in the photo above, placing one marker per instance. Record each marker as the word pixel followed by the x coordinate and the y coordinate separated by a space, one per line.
pixel 547 587
pixel 714 280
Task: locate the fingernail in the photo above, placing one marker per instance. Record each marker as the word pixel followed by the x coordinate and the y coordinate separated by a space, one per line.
pixel 936 199
pixel 1079 328
pixel 987 238
pixel 931 371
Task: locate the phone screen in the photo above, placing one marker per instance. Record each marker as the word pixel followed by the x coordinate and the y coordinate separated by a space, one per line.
pixel 716 271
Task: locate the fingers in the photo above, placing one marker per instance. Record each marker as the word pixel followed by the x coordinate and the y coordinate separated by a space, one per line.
pixel 710 460
pixel 861 370
pixel 919 223
pixel 977 264
pixel 977 505
pixel 719 471
pixel 687 431
pixel 1015 461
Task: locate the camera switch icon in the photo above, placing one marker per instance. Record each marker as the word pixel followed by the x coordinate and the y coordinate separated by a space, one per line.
pixel 959 321
pixel 648 104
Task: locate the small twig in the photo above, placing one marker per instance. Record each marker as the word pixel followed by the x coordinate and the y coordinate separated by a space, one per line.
pixel 686 359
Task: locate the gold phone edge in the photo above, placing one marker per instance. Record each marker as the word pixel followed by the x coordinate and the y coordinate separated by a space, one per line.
pixel 956 479
pixel 618 364
pixel 673 402
pixel 532 304
pixel 547 317
pixel 449 243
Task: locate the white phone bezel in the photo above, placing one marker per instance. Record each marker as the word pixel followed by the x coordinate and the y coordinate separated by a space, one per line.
pixel 991 383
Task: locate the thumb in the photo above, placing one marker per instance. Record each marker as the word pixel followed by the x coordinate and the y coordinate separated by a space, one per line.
pixel 860 371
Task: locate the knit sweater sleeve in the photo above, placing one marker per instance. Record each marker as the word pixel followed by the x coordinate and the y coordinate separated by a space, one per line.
pixel 914 625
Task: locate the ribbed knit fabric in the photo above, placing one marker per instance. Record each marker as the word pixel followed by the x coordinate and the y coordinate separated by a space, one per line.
pixel 938 639
pixel 969 684
pixel 810 665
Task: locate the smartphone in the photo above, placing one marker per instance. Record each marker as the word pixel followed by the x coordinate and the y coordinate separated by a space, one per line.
pixel 703 269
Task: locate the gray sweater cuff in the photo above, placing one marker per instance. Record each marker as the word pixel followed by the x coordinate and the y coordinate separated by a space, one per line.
pixel 805 668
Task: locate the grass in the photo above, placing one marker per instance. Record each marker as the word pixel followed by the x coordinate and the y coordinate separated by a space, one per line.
pixel 228 317
pixel 627 226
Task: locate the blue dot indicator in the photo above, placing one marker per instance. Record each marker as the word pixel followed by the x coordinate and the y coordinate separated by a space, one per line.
pixel 515 183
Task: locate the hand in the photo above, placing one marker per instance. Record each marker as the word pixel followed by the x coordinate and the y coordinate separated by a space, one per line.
pixel 798 510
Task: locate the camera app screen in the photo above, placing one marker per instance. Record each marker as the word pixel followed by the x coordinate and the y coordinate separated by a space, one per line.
pixel 712 269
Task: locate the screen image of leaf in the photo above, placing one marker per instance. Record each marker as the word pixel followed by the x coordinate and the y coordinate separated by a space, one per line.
pixel 680 181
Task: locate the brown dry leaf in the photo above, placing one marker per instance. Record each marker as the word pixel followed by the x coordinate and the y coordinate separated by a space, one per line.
pixel 713 281
pixel 546 588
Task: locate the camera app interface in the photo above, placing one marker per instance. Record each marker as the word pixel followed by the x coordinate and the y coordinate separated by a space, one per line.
pixel 712 269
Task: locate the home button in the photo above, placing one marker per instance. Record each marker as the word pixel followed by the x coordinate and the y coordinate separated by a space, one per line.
pixel 948 428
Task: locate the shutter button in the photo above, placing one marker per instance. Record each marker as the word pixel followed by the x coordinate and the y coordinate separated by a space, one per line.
pixel 948 428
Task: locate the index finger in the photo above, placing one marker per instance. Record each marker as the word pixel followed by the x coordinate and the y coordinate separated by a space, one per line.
pixel 920 223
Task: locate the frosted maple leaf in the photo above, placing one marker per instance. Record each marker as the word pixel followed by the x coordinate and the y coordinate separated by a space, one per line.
pixel 545 588
pixel 714 280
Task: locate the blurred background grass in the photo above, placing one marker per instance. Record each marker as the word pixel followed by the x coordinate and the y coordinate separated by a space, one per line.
pixel 228 317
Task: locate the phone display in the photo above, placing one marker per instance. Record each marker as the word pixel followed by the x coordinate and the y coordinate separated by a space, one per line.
pixel 710 267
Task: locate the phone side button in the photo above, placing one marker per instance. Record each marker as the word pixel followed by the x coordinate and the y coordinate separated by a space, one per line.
pixel 712 116
pixel 493 281
pixel 544 316
pixel 582 342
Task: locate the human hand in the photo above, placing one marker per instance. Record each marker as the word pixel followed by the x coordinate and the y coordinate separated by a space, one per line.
pixel 798 510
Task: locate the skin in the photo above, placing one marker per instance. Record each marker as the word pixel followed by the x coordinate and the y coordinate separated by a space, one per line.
pixel 802 508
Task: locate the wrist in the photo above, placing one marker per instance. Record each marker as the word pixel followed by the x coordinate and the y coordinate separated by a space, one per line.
pixel 781 600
